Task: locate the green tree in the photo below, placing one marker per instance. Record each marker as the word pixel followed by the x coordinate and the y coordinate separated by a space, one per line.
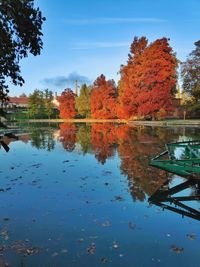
pixel 20 34
pixel 82 102
pixel 48 98
pixel 191 74
pixel 36 104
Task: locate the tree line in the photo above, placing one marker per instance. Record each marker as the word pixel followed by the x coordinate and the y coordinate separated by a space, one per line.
pixel 146 88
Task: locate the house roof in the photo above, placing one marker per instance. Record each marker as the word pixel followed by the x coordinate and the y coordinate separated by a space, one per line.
pixel 18 100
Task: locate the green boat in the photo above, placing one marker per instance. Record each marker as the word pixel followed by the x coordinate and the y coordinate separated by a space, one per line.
pixel 181 158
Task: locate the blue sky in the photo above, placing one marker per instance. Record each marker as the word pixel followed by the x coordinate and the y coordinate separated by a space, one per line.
pixel 84 38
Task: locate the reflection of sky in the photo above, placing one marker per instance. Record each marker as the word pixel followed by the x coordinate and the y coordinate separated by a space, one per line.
pixel 179 152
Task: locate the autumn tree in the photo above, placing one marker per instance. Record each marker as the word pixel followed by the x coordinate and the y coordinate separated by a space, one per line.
pixel 149 78
pixel 158 79
pixel 20 34
pixel 103 98
pixel 67 104
pixel 190 71
pixel 82 102
pixel 129 82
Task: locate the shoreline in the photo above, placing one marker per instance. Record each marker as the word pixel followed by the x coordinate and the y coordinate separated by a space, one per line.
pixel 166 123
pixel 76 120
pixel 118 121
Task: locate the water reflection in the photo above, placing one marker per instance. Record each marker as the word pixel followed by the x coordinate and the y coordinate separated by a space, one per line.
pixel 42 139
pixel 172 199
pixel 79 194
pixel 68 136
pixel 135 146
pixel 7 138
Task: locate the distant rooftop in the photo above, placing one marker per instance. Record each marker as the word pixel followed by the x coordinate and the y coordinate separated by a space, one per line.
pixel 18 100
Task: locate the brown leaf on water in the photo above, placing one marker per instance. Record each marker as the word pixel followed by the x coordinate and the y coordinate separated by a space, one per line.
pixel 191 236
pixel 176 249
pixel 91 249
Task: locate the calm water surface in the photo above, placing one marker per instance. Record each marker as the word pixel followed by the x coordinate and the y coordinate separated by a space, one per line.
pixel 77 195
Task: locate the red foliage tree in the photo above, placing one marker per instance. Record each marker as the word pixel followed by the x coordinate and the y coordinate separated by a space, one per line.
pixel 67 104
pixel 148 80
pixel 129 82
pixel 159 78
pixel 103 99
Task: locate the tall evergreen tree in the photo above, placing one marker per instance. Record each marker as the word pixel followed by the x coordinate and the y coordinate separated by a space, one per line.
pixel 48 98
pixel 83 101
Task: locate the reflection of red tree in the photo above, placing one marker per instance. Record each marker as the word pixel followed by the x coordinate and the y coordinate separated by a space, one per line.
pixel 135 149
pixel 68 135
pixel 103 141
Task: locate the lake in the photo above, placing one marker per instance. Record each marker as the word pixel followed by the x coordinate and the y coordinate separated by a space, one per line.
pixel 76 195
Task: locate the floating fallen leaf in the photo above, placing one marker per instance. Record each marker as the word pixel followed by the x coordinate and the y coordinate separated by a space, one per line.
pixel 191 236
pixel 176 249
pixel 91 249
pixel 118 198
pixel 104 260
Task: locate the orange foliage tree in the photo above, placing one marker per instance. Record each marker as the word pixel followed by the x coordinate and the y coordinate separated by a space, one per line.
pixel 103 99
pixel 148 81
pixel 129 82
pixel 67 104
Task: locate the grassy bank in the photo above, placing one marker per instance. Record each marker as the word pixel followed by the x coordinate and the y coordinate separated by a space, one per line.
pixel 141 123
